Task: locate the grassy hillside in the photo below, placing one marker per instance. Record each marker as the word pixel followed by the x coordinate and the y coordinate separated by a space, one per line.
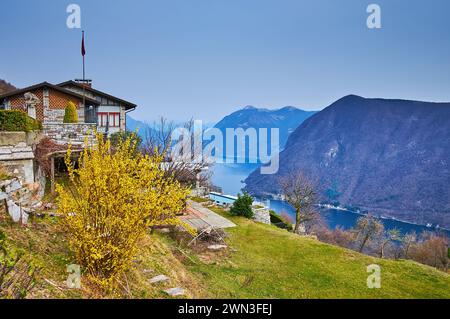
pixel 262 262
pixel 45 245
pixel 267 262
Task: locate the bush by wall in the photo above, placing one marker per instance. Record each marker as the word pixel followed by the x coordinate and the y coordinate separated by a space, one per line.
pixel 14 120
pixel 279 221
pixel 70 113
pixel 242 206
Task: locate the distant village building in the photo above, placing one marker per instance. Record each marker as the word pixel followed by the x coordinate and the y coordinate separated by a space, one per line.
pixel 260 210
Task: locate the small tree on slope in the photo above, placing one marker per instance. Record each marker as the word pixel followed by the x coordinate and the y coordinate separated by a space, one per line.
pixel 243 206
pixel 70 113
pixel 112 199
pixel 300 192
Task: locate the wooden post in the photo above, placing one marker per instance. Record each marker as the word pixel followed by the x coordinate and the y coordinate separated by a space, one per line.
pixel 52 175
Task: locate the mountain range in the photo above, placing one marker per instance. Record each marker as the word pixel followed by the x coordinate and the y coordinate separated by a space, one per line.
pixel 387 157
pixel 5 87
pixel 286 119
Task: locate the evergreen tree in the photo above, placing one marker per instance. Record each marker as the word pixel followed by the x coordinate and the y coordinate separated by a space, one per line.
pixel 243 206
pixel 70 113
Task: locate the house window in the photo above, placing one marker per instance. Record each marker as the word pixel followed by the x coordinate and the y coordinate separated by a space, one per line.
pixel 5 105
pixel 112 117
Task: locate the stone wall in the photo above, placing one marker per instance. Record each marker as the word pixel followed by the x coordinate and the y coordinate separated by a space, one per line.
pixel 16 154
pixel 18 190
pixel 261 215
pixel 74 133
pixel 199 191
pixel 57 115
pixel 20 199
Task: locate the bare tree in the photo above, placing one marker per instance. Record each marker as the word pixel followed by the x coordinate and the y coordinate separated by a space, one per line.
pixel 432 250
pixel 185 168
pixel 300 192
pixel 338 236
pixel 368 228
pixel 407 241
pixel 389 236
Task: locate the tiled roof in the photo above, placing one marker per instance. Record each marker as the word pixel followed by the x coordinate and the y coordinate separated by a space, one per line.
pixel 128 105
pixel 49 85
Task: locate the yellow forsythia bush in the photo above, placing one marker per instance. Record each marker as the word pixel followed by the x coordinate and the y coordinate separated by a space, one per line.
pixel 111 200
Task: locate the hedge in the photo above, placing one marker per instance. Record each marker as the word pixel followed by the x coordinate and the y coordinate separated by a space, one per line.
pixel 15 120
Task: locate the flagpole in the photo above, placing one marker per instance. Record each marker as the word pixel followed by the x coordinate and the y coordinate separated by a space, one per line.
pixel 84 80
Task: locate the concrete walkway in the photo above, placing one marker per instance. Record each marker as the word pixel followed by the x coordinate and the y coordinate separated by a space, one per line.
pixel 200 217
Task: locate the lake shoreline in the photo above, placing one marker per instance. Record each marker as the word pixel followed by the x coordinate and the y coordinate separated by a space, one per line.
pixel 230 177
pixel 338 208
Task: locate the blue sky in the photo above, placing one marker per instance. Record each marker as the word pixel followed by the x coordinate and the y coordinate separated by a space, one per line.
pixel 207 58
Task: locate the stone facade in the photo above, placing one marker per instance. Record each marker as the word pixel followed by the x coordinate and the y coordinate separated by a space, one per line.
pixel 51 104
pixel 74 133
pixel 46 102
pixel 57 115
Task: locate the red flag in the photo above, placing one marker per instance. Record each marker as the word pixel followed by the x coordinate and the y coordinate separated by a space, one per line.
pixel 83 50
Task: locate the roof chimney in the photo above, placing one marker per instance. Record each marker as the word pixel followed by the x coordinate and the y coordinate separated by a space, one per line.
pixel 86 82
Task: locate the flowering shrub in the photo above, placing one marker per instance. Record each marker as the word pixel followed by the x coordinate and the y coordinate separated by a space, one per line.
pixel 111 200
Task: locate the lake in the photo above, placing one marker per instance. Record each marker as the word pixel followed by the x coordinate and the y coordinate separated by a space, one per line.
pixel 230 176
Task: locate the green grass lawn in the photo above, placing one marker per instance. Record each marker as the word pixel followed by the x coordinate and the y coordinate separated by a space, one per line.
pixel 267 262
pixel 262 262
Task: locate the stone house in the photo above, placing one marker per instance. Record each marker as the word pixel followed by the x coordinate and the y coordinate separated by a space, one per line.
pixel 46 102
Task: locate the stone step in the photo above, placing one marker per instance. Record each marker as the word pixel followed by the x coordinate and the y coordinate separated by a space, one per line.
pixel 159 278
pixel 217 247
pixel 177 291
